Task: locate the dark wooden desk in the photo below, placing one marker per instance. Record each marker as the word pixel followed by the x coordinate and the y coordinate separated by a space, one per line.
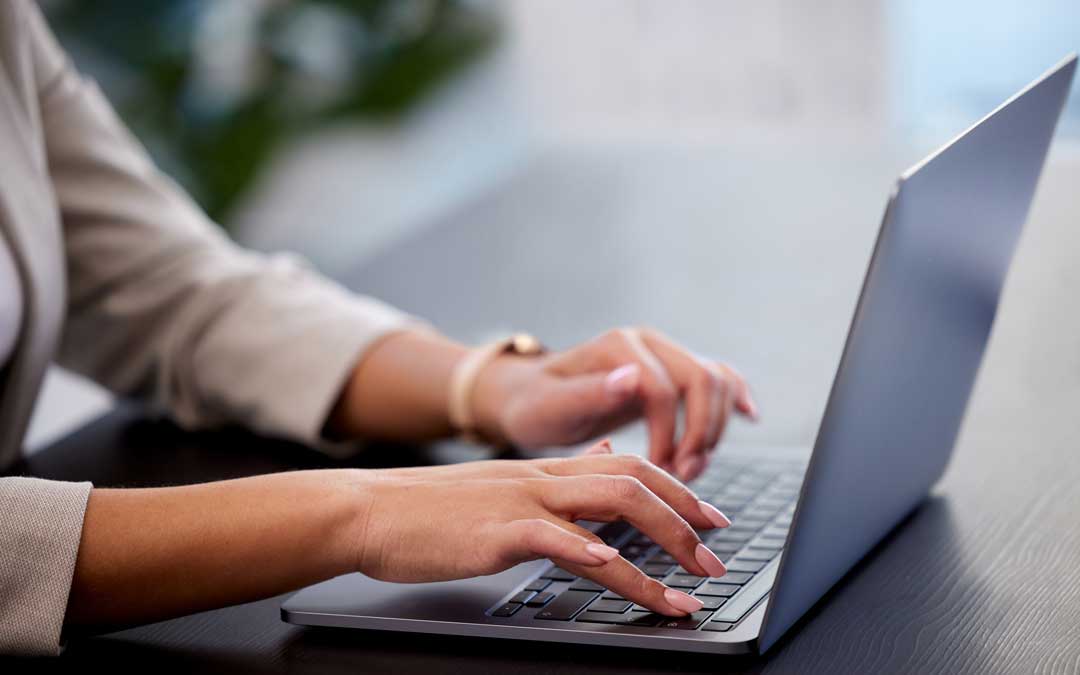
pixel 983 578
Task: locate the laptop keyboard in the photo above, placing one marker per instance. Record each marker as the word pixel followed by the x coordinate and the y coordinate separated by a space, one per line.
pixel 758 497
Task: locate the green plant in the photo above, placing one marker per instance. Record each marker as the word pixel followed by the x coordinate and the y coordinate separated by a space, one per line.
pixel 213 87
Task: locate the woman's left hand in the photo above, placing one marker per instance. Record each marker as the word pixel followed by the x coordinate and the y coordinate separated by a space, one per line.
pixel 568 397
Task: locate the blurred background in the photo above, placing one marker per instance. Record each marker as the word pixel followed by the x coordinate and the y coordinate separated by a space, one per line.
pixel 343 129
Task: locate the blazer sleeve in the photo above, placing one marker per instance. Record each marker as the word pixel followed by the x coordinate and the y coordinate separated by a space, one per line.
pixel 163 306
pixel 38 548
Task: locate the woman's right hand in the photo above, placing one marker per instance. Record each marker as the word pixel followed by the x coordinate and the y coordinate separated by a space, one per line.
pixel 441 523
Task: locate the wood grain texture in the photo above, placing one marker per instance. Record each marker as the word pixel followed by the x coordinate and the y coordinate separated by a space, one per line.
pixel 983 578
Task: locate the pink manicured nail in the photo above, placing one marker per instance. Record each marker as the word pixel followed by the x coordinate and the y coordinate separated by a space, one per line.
pixel 715 515
pixel 682 602
pixel 624 380
pixel 709 561
pixel 605 553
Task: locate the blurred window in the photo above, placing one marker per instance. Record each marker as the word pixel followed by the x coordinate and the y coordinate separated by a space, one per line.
pixel 953 62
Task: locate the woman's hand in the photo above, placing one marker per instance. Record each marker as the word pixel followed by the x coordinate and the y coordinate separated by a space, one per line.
pixel 439 523
pixel 400 391
pixel 569 397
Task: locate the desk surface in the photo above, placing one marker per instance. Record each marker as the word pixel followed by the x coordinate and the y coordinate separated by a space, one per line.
pixel 984 577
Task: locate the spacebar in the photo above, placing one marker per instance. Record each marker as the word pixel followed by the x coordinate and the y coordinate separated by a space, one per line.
pixel 744 601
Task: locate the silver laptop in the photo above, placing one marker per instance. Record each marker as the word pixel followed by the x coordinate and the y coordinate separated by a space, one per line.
pixel 801 518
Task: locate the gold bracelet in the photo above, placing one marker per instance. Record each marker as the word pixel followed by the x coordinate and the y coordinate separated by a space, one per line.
pixel 463 378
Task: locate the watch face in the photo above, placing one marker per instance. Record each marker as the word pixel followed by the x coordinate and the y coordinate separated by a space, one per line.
pixel 523 343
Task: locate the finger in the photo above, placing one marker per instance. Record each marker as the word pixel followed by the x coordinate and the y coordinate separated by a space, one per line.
pixel 608 498
pixel 705 418
pixel 660 400
pixel 620 576
pixel 722 403
pixel 601 448
pixel 579 407
pixel 704 388
pixel 533 538
pixel 655 394
pixel 744 400
pixel 700 514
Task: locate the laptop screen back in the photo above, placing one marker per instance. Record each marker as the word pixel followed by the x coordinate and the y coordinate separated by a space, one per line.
pixel 916 341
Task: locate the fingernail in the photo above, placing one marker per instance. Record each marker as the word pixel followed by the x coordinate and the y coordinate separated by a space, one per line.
pixel 682 602
pixel 623 380
pixel 605 553
pixel 715 515
pixel 709 561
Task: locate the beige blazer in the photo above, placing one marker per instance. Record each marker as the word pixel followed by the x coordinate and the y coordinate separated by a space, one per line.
pixel 126 281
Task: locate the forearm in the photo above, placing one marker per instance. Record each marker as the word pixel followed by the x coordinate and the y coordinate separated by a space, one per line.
pixel 149 554
pixel 399 390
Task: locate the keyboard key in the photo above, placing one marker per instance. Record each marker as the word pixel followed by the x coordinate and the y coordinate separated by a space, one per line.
pixel 749 525
pixel 725 555
pixel 775 532
pixel 565 606
pixel 661 557
pixel 735 578
pixel 689 622
pixel 521 597
pixel 642 540
pixel 760 513
pixel 540 599
pixel 558 574
pixel 715 588
pixel 766 544
pixel 615 606
pixel 718 626
pixel 507 610
pixel 767 501
pixel 729 508
pixel 643 619
pixel 586 585
pixel 743 565
pixel 612 595
pixel 731 536
pixel 683 581
pixel 614 533
pixel 724 546
pixel 538 584
pixel 711 603
pixel 743 488
pixel 737 607
pixel 656 569
pixel 759 554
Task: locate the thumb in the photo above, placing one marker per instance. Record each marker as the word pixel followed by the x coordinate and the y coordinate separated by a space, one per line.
pixel 572 409
pixel 598 402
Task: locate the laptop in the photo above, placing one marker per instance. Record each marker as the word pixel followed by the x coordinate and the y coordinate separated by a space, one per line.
pixel 800 518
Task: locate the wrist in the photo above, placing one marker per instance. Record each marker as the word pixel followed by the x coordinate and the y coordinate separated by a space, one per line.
pixel 357 494
pixel 494 392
